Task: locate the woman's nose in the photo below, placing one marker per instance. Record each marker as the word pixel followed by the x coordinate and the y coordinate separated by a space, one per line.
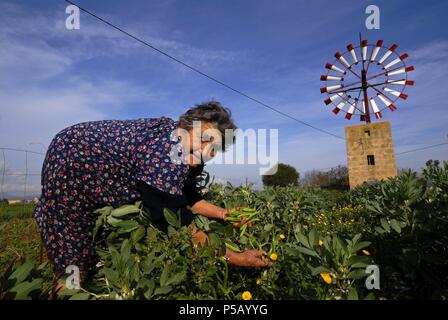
pixel 207 147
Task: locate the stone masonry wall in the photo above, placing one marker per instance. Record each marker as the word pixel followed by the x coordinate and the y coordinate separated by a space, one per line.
pixel 373 139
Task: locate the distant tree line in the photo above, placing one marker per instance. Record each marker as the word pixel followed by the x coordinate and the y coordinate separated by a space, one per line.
pixel 335 179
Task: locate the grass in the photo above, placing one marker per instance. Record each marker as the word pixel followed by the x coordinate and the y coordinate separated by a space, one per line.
pixel 19 241
pixel 16 211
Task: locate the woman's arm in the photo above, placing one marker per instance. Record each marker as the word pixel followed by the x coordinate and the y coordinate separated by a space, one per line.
pixel 209 210
pixel 196 200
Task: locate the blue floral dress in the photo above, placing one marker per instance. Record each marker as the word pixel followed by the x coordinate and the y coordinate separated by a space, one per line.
pixel 94 164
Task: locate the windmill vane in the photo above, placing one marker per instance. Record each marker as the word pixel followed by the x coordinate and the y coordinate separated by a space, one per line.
pixel 365 79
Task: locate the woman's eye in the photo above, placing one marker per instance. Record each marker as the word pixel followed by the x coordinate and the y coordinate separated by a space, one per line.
pixel 207 139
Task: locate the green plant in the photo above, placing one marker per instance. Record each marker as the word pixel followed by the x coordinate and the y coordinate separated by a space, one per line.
pixel 312 236
pixel 23 283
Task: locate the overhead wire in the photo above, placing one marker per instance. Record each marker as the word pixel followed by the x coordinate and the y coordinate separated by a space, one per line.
pixel 203 73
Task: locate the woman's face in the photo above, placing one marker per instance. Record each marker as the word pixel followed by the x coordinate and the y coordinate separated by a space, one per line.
pixel 202 142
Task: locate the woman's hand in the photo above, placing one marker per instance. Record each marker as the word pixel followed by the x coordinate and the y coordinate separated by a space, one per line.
pixel 200 238
pixel 248 259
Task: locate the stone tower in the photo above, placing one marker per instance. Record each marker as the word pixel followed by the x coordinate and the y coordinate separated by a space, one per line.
pixel 370 152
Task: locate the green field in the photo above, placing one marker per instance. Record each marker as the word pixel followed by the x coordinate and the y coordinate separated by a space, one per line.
pixel 16 211
pixel 319 242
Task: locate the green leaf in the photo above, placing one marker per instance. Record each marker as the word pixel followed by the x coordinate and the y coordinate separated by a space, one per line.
pixel 357 274
pixel 385 225
pixel 308 252
pixel 111 275
pixel 312 237
pixel 360 245
pixel 358 259
pixel 127 226
pixel 356 238
pixel 303 240
pixel 113 221
pixel 125 210
pixel 214 239
pixel 353 294
pixel 104 210
pixel 164 276
pixel 172 218
pixel 80 296
pixel 370 296
pixel 232 246
pixel 22 290
pixel 138 234
pixel 67 292
pixel 358 265
pixel 176 279
pixel 379 230
pixel 150 284
pixel 340 244
pixel 375 207
pixel 22 272
pixel 172 231
pixel 163 290
pixel 395 225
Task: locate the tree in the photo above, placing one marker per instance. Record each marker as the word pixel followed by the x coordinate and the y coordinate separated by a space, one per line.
pixel 336 178
pixel 284 176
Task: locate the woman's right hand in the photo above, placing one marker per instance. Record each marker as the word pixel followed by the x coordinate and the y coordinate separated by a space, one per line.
pixel 248 259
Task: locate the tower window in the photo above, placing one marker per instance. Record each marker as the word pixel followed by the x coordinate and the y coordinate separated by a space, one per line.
pixel 371 160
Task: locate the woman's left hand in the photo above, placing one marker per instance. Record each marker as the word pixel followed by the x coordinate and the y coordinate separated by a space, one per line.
pixel 236 224
pixel 200 238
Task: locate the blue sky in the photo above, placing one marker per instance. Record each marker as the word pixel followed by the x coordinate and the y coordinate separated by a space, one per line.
pixel 275 51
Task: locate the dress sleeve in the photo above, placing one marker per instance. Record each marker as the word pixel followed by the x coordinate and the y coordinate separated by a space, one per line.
pixel 190 189
pixel 156 201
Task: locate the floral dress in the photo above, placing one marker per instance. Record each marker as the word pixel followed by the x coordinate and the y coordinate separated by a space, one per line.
pixel 95 164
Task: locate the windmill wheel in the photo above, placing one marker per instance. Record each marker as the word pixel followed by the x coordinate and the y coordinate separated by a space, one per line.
pixel 366 79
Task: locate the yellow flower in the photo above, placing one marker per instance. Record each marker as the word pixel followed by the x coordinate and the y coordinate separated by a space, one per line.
pixel 365 252
pixel 273 256
pixel 326 276
pixel 321 243
pixel 138 259
pixel 282 236
pixel 259 282
pixel 246 295
pixel 429 200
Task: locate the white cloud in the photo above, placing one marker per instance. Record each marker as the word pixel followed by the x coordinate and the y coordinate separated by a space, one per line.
pixel 41 91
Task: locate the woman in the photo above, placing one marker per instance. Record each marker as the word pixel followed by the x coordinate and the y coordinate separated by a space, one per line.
pixel 112 163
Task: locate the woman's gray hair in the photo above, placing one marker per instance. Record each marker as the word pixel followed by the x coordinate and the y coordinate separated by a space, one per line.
pixel 210 112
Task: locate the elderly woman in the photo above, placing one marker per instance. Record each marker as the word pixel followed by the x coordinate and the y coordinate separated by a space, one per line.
pixel 116 162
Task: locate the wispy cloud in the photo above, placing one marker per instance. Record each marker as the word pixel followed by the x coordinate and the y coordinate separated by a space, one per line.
pixel 51 77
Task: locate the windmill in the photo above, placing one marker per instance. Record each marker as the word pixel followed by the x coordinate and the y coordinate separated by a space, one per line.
pixel 366 80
